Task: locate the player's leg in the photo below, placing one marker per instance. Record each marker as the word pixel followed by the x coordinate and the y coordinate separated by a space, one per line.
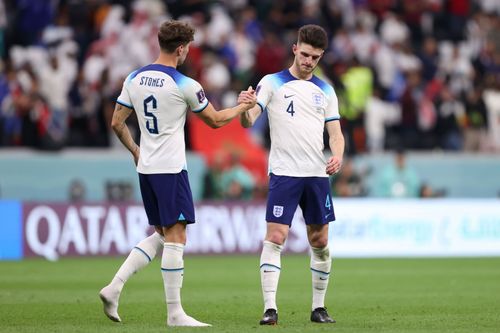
pixel 140 256
pixel 270 268
pixel 175 213
pixel 318 211
pixel 320 270
pixel 172 268
pixel 282 201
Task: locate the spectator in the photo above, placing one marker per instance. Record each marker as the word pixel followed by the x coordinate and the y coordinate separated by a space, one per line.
pixel 429 58
pixel 426 191
pixel 237 182
pixel 477 121
pixel 450 121
pixel 379 115
pixel 212 189
pixel 408 127
pixel 358 82
pixel 398 180
pixel 349 182
pixel 238 42
pixel 77 191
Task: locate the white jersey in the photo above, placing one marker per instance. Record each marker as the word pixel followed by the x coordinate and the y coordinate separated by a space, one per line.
pixel 297 111
pixel 160 96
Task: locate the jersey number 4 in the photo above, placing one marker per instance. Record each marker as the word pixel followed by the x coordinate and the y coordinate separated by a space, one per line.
pixel 152 124
pixel 290 109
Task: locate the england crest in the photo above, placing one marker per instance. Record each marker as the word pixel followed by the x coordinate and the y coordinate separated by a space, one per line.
pixel 317 99
pixel 278 211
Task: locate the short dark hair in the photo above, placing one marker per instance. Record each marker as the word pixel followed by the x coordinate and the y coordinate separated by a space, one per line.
pixel 313 35
pixel 173 34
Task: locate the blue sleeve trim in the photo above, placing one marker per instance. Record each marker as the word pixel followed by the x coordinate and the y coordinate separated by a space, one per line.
pixel 125 104
pixel 262 107
pixel 201 109
pixel 331 119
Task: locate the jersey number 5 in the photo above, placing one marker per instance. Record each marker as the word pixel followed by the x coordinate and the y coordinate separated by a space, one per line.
pixel 152 129
pixel 290 109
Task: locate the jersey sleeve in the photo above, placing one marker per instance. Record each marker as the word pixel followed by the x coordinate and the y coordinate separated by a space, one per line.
pixel 332 109
pixel 264 92
pixel 124 98
pixel 194 95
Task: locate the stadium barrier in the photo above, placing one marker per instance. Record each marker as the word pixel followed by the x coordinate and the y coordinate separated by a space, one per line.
pixel 365 228
pixel 28 175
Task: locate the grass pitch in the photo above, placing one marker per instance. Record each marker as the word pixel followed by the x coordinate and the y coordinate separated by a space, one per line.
pixel 365 295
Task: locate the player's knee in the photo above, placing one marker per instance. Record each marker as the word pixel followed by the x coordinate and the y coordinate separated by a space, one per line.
pixel 319 241
pixel 175 233
pixel 276 238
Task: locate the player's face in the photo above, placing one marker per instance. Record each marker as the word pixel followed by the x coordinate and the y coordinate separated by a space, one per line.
pixel 306 57
pixel 184 50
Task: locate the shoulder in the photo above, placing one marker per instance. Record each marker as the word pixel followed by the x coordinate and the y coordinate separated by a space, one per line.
pixel 183 81
pixel 131 76
pixel 278 79
pixel 323 85
pixel 179 78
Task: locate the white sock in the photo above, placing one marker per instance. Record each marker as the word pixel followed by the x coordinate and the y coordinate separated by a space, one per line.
pixel 172 270
pixel 321 264
pixel 140 256
pixel 270 267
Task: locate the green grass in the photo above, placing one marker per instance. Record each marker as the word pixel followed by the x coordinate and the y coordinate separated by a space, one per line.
pixel 365 295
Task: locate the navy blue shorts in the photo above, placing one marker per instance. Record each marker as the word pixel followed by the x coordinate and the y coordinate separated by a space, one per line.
pixel 167 198
pixel 311 193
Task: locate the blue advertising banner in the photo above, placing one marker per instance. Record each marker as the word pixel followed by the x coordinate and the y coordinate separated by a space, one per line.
pixel 11 234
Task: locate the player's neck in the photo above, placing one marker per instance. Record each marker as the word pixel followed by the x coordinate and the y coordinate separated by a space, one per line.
pixel 298 74
pixel 167 60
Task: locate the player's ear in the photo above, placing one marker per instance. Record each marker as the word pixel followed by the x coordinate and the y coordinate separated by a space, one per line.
pixel 294 48
pixel 178 50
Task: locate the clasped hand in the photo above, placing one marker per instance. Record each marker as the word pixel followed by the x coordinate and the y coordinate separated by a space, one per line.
pixel 248 97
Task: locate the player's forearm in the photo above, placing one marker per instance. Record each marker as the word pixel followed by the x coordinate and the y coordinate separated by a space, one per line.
pixel 337 144
pixel 225 116
pixel 247 118
pixel 123 133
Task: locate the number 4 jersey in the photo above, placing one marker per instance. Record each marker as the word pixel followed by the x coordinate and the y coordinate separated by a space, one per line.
pixel 160 96
pixel 297 111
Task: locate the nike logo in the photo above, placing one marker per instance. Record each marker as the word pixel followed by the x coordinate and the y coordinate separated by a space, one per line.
pixel 327 215
pixel 321 278
pixel 289 95
pixel 268 271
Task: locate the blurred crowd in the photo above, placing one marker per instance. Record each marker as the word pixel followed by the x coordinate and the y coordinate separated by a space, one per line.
pixel 409 74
